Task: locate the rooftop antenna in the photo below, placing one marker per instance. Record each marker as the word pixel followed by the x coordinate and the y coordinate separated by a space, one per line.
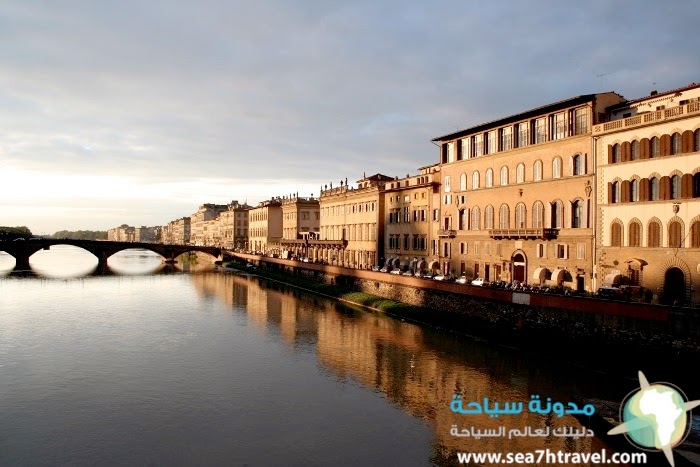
pixel 601 78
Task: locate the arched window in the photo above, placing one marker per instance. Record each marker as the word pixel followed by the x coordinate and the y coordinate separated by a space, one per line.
pixel 634 190
pixel 675 234
pixel 537 171
pixel 520 173
pixel 556 167
pixel 463 219
pixel 504 217
pixel 504 175
pixel 577 214
pixel 488 217
pixel 695 235
pixel 557 216
pixel 577 165
pixel 538 215
pixel 616 234
pixel 475 218
pixel 475 180
pixel 675 187
pixel 616 154
pixel 615 192
pixel 696 185
pixel 676 143
pixel 654 234
pixel 655 147
pixel 463 182
pixel 634 150
pixel 696 140
pixel 520 216
pixel 654 188
pixel 489 178
pixel 635 234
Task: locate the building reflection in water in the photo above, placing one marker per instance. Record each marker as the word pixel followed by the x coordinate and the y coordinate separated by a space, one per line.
pixel 415 368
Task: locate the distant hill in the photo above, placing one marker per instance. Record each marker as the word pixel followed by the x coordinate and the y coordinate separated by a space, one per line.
pixel 10 233
pixel 81 234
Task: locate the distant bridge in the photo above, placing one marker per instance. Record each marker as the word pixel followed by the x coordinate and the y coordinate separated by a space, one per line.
pixel 102 249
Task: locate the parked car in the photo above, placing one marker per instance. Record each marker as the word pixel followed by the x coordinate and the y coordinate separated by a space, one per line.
pixel 479 281
pixel 384 269
pixel 610 292
pixel 376 268
pixel 407 273
pixel 462 280
pixel 443 277
pixel 395 271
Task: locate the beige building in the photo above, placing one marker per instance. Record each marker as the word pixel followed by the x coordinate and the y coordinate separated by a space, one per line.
pixel 352 222
pixel 203 232
pixel 146 234
pixel 123 233
pixel 300 224
pixel 649 195
pixel 233 226
pixel 412 220
pixel 517 195
pixel 179 231
pixel 265 227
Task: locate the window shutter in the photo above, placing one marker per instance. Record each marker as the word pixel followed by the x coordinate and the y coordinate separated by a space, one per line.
pixel 687 141
pixel 610 154
pixel 625 191
pixel 610 192
pixel 644 148
pixel 626 151
pixel 687 186
pixel 644 189
pixel 665 188
pixel 458 150
pixel 665 145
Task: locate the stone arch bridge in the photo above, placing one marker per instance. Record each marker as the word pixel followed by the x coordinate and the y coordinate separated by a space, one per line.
pixel 102 249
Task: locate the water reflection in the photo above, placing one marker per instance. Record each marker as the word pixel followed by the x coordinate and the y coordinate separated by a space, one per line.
pixel 419 369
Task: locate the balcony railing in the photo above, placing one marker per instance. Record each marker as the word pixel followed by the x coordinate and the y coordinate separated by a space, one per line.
pixel 447 233
pixel 648 117
pixel 543 234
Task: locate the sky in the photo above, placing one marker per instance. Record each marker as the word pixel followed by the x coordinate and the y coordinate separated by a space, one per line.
pixel 137 112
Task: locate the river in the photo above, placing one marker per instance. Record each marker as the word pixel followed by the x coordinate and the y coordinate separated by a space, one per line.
pixel 154 365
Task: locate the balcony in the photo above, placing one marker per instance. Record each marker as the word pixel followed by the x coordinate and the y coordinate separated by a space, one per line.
pixel 447 233
pixel 647 117
pixel 544 234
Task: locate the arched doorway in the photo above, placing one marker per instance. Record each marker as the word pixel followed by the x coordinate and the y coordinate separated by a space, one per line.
pixel 674 286
pixel 518 261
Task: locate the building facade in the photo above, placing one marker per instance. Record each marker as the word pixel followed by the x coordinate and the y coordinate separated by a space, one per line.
pixel 203 232
pixel 301 221
pixel 352 223
pixel 649 196
pixel 517 199
pixel 411 220
pixel 265 227
pixel 233 226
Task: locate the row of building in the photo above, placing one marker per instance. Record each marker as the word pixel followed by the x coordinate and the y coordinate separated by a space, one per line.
pixel 589 191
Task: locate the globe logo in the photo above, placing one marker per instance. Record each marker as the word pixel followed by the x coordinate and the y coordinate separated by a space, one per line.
pixel 655 417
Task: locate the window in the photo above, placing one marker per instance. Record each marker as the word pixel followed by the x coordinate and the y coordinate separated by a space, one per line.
pixel 475 218
pixel 696 140
pixel 615 195
pixel 675 234
pixel 634 190
pixel 655 147
pixel 540 130
pixel 476 248
pixel 478 145
pixel 463 182
pixel 520 216
pixel 462 248
pixel 634 150
pixel 675 187
pixel 489 178
pixel 556 167
pixel 696 185
pixel 504 217
pixel 506 138
pixel 654 234
pixel 577 165
pixel 520 173
pixel 488 217
pixel 654 188
pixel 541 250
pixel 463 219
pixel 523 134
pixel 676 143
pixel 504 175
pixel 635 234
pixel 538 215
pixel 580 251
pixel 475 180
pixel 695 235
pixel 436 215
pixel 616 234
pixel 487 248
pixel 577 214
pixel 537 171
pixel 562 251
pixel 557 216
pixel 450 152
pixel 490 143
pixel 447 183
pixel 581 121
pixel 559 125
pixel 616 154
pixel 466 148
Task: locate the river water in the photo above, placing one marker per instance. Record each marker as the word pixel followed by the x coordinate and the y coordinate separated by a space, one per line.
pixel 149 365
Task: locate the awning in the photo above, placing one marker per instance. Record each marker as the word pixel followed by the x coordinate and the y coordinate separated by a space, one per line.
pixel 540 275
pixel 396 263
pixel 433 265
pixel 403 264
pixel 388 262
pixel 558 276
pixel 612 280
pixel 636 263
pixel 422 264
